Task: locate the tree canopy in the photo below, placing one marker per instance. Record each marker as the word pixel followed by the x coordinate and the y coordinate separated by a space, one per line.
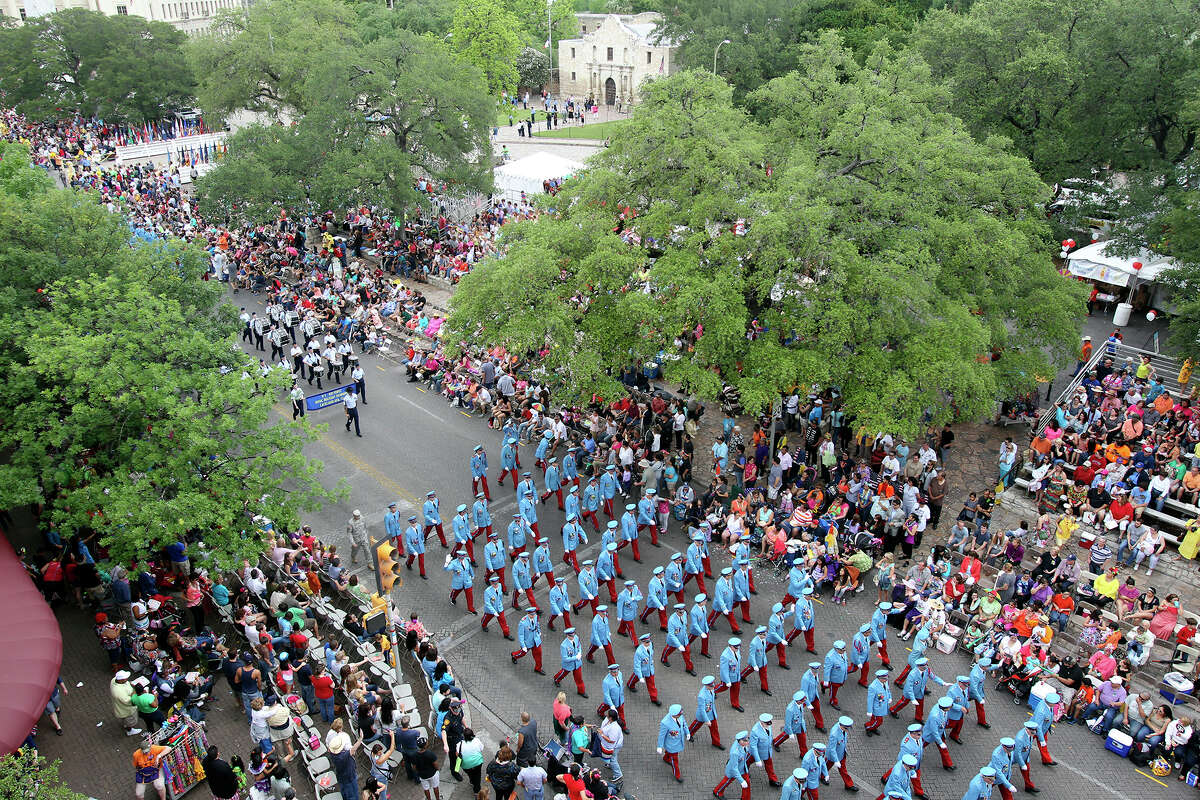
pixel 486 33
pixel 121 68
pixel 126 406
pixel 885 250
pixel 376 114
pixel 1077 86
pixel 765 36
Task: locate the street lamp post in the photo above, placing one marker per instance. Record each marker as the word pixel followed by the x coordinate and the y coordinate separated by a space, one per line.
pixel 726 41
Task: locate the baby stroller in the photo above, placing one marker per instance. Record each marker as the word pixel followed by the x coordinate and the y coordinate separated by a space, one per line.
pixel 1019 681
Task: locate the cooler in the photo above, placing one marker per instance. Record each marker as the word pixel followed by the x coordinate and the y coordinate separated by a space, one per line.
pixel 946 643
pixel 1118 742
pixel 1040 690
pixel 1175 688
pixel 1086 540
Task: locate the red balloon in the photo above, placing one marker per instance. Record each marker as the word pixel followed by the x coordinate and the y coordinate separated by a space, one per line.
pixel 1137 265
pixel 1070 242
pixel 1065 242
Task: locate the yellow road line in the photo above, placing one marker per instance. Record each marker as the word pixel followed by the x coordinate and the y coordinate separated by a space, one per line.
pixel 1151 777
pixel 372 472
pixel 419 389
pixel 381 369
pixel 465 414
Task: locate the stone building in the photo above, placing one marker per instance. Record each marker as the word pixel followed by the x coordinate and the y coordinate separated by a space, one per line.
pixel 613 56
pixel 190 16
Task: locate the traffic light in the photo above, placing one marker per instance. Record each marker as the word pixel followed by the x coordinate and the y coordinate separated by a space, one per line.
pixel 389 567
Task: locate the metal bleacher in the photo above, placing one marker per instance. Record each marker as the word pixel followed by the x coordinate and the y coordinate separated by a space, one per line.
pixel 1175 514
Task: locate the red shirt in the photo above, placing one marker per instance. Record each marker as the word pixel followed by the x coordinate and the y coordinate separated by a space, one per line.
pixel 323 687
pixel 575 786
pixel 1084 474
pixel 1121 510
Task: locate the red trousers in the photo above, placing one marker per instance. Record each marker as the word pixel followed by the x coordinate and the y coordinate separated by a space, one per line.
pixel 707 567
pixel 653 532
pixel 699 576
pixel 487 578
pixel 633 545
pixel 833 690
pixel 980 714
pixel 846 779
pixel 1044 749
pixel 517 655
pixel 769 766
pixel 817 718
pixel 809 642
pixel 469 544
pixel 593 602
pixel 420 559
pixel 1005 794
pixel 781 653
pixel 591 516
pixel 566 618
pixel 745 604
pixel 685 652
pixel 873 722
pixel 662 617
pixel 608 653
pixel 897 706
pixel 864 673
pixel 569 557
pixel 612 590
pixel 631 684
pixel 735 692
pixel 504 472
pixel 954 727
pixel 602 709
pixel 607 505
pixel 1027 777
pixel 801 740
pixel 528 596
pixel 713 732
pixel 475 482
pixel 499 618
pixel 577 673
pixel 670 758
pixel 733 623
pixel 549 579
pixel 903 674
pixel 558 495
pixel 944 753
pixel 762 677
pixel 441 533
pixel 883 653
pixel 625 628
pixel 703 644
pixel 720 790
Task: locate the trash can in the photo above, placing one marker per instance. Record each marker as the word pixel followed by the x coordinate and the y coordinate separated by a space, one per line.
pixel 1121 317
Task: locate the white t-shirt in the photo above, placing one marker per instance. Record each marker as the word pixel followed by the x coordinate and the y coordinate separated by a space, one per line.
pixel 532 778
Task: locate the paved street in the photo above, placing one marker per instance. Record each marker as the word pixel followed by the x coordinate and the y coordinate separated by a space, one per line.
pixel 413 442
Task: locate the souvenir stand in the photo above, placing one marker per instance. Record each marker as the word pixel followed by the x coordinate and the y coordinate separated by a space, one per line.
pixel 186 745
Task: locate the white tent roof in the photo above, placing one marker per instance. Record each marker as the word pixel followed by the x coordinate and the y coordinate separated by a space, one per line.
pixel 526 174
pixel 1094 263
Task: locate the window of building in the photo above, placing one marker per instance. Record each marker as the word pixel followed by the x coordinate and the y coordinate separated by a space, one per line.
pixel 585 28
pixel 610 54
pixel 649 56
pixel 122 10
pixel 21 11
pixel 572 52
pixel 572 76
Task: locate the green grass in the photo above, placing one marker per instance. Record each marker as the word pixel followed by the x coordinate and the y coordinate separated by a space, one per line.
pixel 519 115
pixel 592 130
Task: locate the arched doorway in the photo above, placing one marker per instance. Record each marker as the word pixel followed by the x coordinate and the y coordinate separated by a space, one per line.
pixel 610 92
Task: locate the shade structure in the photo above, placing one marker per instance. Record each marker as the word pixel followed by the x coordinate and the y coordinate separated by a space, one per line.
pixel 526 174
pixel 32 647
pixel 1094 262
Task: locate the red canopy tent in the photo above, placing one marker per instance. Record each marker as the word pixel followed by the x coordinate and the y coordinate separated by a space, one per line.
pixel 32 648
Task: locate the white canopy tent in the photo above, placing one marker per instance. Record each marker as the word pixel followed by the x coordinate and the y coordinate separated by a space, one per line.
pixel 526 174
pixel 1094 263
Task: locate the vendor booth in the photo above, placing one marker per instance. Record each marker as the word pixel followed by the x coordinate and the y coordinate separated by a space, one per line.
pixel 1130 280
pixel 529 174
